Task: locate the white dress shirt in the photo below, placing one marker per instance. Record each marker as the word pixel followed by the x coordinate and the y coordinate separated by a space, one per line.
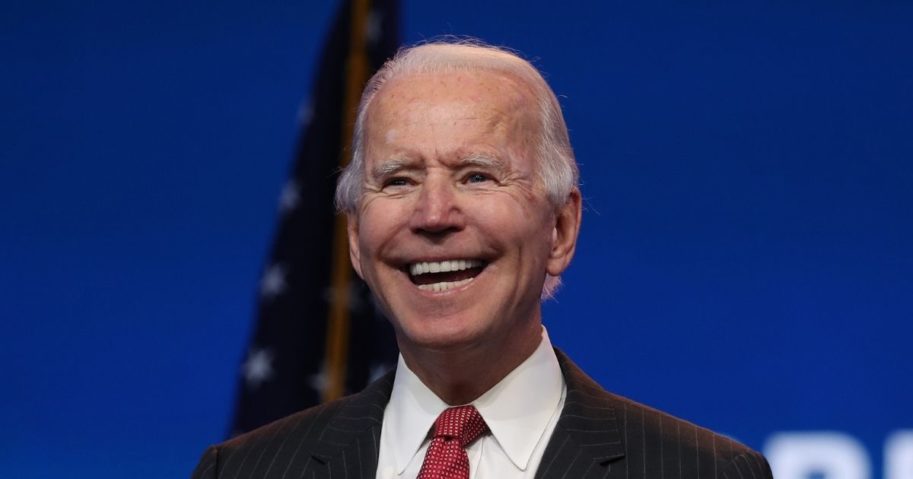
pixel 521 412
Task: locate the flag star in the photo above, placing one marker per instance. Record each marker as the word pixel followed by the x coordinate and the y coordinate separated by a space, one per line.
pixel 289 198
pixel 273 282
pixel 377 370
pixel 353 302
pixel 258 367
pixel 321 380
pixel 373 26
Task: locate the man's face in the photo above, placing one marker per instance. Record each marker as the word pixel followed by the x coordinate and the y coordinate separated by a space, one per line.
pixel 454 233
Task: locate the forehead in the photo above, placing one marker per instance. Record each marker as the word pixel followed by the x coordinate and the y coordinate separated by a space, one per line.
pixel 478 85
pixel 451 110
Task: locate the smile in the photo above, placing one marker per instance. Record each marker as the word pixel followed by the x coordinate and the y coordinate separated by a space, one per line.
pixel 438 276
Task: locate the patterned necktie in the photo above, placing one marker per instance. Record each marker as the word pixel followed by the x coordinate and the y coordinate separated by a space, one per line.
pixel 454 429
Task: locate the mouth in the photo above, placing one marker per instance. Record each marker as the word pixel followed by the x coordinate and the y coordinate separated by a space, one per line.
pixel 440 276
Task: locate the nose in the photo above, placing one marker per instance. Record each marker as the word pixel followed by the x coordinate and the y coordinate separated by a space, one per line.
pixel 437 210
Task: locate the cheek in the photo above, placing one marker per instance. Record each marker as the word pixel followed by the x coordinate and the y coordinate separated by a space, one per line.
pixel 514 212
pixel 379 223
pixel 535 228
pixel 517 226
pixel 370 235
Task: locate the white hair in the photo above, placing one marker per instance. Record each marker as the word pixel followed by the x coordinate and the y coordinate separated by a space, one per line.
pixel 556 166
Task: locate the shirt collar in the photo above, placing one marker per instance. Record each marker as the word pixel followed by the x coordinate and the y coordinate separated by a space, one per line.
pixel 412 410
pixel 517 409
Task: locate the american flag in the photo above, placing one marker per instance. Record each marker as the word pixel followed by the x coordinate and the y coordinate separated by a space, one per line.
pixel 318 334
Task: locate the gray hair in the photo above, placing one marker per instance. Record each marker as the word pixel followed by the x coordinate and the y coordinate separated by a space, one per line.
pixel 557 168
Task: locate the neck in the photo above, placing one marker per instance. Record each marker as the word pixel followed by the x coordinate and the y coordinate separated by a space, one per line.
pixel 460 375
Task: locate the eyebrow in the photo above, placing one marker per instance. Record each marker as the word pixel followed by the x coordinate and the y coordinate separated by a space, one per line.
pixel 484 161
pixel 389 167
pixel 480 160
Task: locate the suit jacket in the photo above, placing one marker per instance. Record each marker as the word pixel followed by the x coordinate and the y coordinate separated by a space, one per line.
pixel 598 434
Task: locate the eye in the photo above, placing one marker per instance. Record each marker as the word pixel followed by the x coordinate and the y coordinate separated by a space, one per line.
pixel 396 181
pixel 476 177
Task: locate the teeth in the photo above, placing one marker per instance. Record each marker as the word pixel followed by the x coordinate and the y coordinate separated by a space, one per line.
pixel 444 285
pixel 443 266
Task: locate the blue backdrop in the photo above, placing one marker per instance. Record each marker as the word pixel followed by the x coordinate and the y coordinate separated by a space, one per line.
pixel 747 174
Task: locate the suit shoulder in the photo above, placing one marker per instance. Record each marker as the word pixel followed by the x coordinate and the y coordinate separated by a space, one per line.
pixel 301 440
pixel 270 448
pixel 693 447
pixel 656 443
pixel 297 424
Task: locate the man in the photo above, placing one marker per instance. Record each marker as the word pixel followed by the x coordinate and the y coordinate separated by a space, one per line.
pixel 463 210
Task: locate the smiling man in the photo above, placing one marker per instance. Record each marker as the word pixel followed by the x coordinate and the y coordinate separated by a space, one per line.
pixel 463 211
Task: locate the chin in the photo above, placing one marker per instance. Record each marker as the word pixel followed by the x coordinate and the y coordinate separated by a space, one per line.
pixel 450 333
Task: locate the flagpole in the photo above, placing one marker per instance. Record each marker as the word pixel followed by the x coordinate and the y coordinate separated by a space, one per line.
pixel 337 341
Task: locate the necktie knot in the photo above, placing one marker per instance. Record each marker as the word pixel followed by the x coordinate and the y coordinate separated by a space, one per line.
pixel 463 423
pixel 454 429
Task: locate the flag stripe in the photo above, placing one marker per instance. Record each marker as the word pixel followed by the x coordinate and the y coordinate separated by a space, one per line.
pixel 338 327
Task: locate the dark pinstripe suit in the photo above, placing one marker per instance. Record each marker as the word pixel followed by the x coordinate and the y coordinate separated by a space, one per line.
pixel 598 435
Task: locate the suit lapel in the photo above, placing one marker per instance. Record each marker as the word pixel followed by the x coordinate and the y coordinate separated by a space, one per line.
pixel 349 445
pixel 588 437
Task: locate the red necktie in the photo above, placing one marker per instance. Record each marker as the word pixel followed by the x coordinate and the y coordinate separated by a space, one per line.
pixel 454 429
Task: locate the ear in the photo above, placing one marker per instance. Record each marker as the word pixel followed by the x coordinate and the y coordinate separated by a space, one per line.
pixel 564 236
pixel 354 249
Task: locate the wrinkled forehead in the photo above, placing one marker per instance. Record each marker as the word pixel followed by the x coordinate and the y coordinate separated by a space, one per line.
pixel 502 83
pixel 478 90
pixel 459 105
